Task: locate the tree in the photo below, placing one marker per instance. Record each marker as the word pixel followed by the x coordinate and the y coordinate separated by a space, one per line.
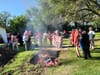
pixel 92 6
pixel 18 24
pixel 70 10
pixel 4 19
pixel 52 12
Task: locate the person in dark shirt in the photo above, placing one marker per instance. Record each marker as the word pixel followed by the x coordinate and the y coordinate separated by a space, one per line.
pixel 19 37
pixel 1 40
pixel 85 45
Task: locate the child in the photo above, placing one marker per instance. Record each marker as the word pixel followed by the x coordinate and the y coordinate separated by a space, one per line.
pixel 91 37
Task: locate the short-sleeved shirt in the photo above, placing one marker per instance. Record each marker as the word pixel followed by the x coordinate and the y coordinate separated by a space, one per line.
pixel 91 35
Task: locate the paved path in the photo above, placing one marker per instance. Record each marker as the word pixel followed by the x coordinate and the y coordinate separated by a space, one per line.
pixel 64 47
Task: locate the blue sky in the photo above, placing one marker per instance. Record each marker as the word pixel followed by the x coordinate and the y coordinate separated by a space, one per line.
pixel 17 7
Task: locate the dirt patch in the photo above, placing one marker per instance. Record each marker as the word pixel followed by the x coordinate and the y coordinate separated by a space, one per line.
pixel 36 57
pixel 6 54
pixel 26 69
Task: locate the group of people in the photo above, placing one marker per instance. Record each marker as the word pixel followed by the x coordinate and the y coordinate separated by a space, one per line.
pixel 79 38
pixel 54 38
pixel 83 40
pixel 40 39
pixel 14 40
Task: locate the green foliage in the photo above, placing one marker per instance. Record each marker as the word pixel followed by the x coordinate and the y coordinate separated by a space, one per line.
pixel 96 22
pixel 4 19
pixel 17 24
pixel 70 9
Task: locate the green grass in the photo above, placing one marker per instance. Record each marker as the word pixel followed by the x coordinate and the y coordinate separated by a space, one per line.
pixel 70 64
pixel 21 60
pixel 98 35
pixel 78 66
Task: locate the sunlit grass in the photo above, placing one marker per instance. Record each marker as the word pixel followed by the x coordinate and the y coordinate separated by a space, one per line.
pixel 69 63
pixel 19 60
pixel 97 35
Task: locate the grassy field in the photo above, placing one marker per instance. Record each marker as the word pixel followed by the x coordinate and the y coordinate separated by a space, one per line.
pixel 78 66
pixel 70 64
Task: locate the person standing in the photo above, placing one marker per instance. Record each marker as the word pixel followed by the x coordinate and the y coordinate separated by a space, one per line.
pixel 14 42
pixel 44 39
pixel 91 34
pixel 76 42
pixel 20 40
pixel 80 38
pixel 50 37
pixel 85 43
pixel 72 37
pixel 25 39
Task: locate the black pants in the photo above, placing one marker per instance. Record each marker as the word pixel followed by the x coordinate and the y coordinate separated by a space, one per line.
pixel 86 52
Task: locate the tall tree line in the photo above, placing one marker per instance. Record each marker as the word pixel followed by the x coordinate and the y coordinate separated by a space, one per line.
pixel 12 23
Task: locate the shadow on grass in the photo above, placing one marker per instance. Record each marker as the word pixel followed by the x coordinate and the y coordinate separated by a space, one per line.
pixel 64 47
pixel 22 49
pixel 97 39
pixel 96 50
pixel 67 46
pixel 95 58
pixel 6 55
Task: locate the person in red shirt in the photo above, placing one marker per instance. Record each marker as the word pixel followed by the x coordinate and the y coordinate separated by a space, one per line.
pixel 72 37
pixel 76 42
pixel 75 38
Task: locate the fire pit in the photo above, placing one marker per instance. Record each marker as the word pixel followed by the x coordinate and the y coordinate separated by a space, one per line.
pixel 44 54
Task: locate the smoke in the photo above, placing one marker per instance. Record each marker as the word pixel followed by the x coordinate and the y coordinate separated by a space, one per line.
pixel 38 23
pixel 58 22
